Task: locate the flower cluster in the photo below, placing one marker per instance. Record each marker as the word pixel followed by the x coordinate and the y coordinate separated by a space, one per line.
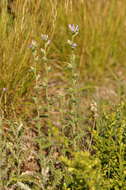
pixel 75 30
pixel 35 47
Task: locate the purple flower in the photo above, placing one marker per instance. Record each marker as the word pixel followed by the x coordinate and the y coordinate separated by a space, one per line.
pixel 73 28
pixel 4 89
pixel 72 44
pixel 33 44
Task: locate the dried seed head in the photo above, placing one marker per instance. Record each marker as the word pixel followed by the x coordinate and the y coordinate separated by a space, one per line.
pixel 94 109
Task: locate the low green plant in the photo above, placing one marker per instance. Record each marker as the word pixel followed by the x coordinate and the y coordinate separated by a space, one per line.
pixel 110 147
pixel 105 167
pixel 83 172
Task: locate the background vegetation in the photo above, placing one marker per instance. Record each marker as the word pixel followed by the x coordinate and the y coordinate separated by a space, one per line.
pixel 62 95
